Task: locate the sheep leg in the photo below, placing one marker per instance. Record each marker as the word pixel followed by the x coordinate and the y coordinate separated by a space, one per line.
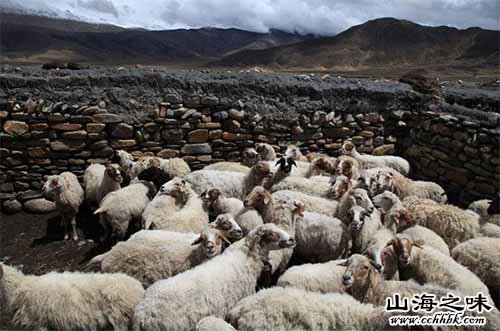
pixel 73 227
pixel 105 229
pixel 65 222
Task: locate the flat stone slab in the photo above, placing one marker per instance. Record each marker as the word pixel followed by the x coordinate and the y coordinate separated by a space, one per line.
pixel 39 206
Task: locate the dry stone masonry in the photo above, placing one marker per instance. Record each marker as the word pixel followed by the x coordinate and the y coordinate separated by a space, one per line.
pixel 47 130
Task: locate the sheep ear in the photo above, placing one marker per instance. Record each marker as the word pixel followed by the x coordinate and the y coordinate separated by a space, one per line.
pixel 391 242
pixel 197 241
pixel 223 237
pixel 292 162
pixel 267 199
pixel 281 162
pixel 419 243
pixel 373 263
pixel 343 263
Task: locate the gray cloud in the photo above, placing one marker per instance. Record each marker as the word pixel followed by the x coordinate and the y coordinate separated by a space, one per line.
pixel 326 17
pixel 103 6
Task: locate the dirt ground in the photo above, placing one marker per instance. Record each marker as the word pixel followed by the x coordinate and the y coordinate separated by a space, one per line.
pixel 34 244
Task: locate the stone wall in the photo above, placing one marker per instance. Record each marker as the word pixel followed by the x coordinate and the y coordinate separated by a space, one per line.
pixel 204 122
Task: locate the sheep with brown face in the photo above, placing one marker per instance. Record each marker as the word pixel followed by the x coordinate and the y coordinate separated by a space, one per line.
pixel 426 265
pixel 406 227
pixel 151 255
pixel 232 184
pixel 220 283
pixel 366 284
pixel 322 165
pixel 284 213
pixel 367 161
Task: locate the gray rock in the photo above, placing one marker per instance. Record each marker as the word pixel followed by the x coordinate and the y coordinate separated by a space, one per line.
pixel 11 206
pixel 196 149
pixel 39 206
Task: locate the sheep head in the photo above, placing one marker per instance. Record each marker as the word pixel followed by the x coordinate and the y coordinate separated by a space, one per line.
pixel 258 198
pixel 211 242
pixel 348 147
pixel 177 187
pixel 359 274
pixel 357 216
pixel 293 151
pixel 262 170
pixel 113 172
pixel 402 219
pixel 250 157
pixel 345 168
pixel 286 164
pixel 385 200
pixel 359 197
pixel 52 187
pixel 384 181
pixel 325 164
pixel 403 249
pixel 268 237
pixel 340 186
pixel 228 226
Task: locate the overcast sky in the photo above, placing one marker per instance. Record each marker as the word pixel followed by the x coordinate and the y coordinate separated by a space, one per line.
pixel 326 17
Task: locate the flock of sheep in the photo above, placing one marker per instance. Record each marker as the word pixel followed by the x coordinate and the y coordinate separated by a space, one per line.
pixel 191 249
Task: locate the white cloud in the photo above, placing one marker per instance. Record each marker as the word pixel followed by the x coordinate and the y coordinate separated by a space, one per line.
pixel 325 17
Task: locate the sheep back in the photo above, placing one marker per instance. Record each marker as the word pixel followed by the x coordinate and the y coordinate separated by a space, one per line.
pixel 320 238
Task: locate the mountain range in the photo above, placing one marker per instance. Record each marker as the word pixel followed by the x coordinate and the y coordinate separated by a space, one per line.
pixel 385 42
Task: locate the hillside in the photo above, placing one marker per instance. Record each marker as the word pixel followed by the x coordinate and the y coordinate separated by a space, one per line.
pixel 35 39
pixel 381 42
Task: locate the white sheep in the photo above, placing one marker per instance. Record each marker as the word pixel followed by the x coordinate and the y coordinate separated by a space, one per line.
pixel 318 277
pixel 68 195
pixel 287 167
pixel 249 158
pixel 100 180
pixel 362 226
pixel 482 256
pixel 188 215
pixel 69 300
pixel 366 284
pixel 174 167
pixel 119 208
pixel 160 207
pixel 374 251
pixel 453 224
pixel 231 184
pixel 426 265
pixel 293 151
pixel 322 165
pixel 211 288
pixel 353 197
pixel 321 238
pixel 290 309
pixel 311 203
pixel 211 323
pixel 283 213
pixel 304 185
pixel 266 151
pixel 367 161
pixel 406 227
pixel 216 203
pixel 149 258
pixel 228 166
pixel 404 187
